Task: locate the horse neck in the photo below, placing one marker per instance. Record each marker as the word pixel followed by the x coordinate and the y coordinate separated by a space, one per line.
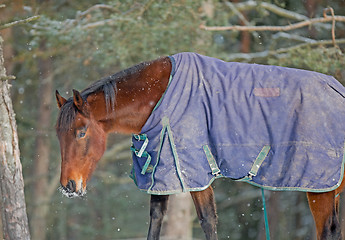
pixel 137 95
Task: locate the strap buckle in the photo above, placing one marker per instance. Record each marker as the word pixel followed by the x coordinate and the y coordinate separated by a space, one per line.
pixel 141 152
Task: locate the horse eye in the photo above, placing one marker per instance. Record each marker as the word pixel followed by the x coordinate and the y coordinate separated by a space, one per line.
pixel 81 134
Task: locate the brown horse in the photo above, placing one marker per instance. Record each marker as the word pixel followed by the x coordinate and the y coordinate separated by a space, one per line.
pixel 122 103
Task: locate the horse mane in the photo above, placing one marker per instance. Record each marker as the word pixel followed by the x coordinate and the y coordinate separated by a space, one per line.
pixel 107 85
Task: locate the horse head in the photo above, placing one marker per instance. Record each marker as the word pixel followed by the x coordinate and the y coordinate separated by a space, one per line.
pixel 82 143
pixel 86 118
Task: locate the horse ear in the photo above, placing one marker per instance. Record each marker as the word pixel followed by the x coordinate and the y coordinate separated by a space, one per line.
pixel 60 100
pixel 78 100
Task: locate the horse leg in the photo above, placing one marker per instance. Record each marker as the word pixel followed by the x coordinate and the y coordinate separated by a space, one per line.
pixel 206 210
pixel 158 208
pixel 337 194
pixel 325 210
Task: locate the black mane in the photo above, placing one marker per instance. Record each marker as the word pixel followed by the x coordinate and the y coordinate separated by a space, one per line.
pixel 107 85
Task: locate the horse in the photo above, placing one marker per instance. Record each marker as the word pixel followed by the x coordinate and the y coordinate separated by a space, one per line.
pixel 123 103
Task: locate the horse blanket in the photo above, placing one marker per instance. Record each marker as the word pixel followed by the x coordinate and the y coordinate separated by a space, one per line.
pixel 274 127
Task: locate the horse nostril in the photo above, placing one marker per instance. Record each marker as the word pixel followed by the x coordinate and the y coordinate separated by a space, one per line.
pixel 71 186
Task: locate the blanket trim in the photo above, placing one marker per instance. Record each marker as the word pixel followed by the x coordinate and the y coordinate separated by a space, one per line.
pixel 247 179
pixel 172 73
pixel 299 189
pixel 214 168
pixel 167 129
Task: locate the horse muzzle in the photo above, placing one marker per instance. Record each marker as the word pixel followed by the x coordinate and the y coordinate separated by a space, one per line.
pixel 72 190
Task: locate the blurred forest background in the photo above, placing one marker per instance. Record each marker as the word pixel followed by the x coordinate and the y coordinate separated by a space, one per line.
pixel 74 43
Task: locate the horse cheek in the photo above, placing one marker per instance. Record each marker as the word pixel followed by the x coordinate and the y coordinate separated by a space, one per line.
pixel 98 149
pixel 101 145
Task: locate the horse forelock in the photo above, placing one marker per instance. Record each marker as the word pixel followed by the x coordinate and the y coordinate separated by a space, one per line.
pixel 66 116
pixel 69 111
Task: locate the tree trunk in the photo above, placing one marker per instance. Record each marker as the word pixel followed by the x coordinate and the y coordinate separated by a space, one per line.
pixel 13 208
pixel 311 7
pixel 178 222
pixel 245 38
pixel 41 170
pixel 14 8
pixel 245 35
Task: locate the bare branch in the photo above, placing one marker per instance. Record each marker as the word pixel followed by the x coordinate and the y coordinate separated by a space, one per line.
pixel 248 5
pixel 105 22
pixel 275 28
pixel 316 43
pixel 270 7
pixel 5 78
pixel 333 23
pixel 97 6
pixel 282 12
pixel 292 37
pixel 264 54
pixel 70 23
pixel 11 24
pixel 240 15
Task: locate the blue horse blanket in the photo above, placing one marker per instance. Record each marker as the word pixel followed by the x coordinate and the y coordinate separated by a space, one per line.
pixel 274 127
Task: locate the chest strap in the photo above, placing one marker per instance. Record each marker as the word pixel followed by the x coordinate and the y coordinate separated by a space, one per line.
pixel 141 152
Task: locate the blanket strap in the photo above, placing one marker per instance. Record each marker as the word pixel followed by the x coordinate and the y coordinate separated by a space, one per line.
pixel 141 152
pixel 265 214
pixel 253 171
pixel 258 161
pixel 141 137
pixel 211 161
